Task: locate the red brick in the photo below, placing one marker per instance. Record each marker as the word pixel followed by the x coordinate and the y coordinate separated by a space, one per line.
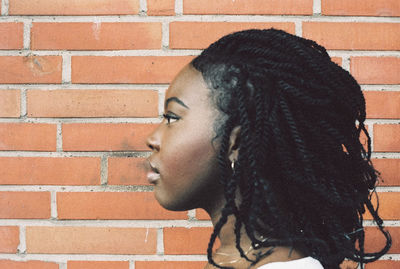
pixel 68 7
pixel 187 240
pixel 337 60
pixel 28 136
pixel 257 7
pixel 106 136
pixel 375 240
pixel 375 70
pixel 382 105
pixel 389 203
pixel 127 171
pixel 92 103
pixel 112 205
pixel 30 69
pixel 7 264
pixel 127 69
pixel 383 265
pixel 9 238
pixel 354 35
pixel 169 265
pixel 361 7
pixel 49 171
pixel 390 171
pixel 96 36
pixel 387 137
pixel 201 214
pixel 24 205
pixel 90 240
pixel 10 103
pixel 11 35
pixel 199 35
pixel 160 7
pixel 97 265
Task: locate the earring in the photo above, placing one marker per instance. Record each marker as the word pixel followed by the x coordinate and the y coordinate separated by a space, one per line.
pixel 233 167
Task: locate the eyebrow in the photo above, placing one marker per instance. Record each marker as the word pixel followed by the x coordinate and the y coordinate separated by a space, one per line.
pixel 176 99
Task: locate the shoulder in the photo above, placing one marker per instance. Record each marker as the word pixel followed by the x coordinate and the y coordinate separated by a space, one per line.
pixel 303 263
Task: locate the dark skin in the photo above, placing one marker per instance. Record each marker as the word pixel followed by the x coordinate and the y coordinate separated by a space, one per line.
pixel 184 166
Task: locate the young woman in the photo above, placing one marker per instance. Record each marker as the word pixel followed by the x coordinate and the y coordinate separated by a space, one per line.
pixel 262 130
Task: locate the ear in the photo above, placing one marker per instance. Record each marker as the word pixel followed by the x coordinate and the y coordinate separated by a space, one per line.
pixel 234 144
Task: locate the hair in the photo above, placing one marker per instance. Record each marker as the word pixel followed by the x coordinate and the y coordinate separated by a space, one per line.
pixel 305 179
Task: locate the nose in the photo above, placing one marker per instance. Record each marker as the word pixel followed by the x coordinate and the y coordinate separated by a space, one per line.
pixel 153 141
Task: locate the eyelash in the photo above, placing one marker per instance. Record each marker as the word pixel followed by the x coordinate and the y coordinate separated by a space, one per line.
pixel 168 117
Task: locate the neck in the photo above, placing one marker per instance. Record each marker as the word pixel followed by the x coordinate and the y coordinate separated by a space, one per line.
pixel 227 240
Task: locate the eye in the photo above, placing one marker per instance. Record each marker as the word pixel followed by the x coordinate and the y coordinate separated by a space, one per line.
pixel 170 117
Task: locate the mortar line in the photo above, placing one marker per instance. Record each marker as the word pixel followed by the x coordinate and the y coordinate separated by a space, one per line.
pixel 123 257
pixel 346 63
pixel 22 240
pixel 298 28
pixel 59 138
pixel 198 18
pixel 66 68
pixel 160 241
pixel 317 7
pixel 165 36
pixel 23 112
pixel 5 5
pixel 53 204
pixel 27 34
pixel 104 170
pixel 143 7
pixel 179 7
pixel 131 264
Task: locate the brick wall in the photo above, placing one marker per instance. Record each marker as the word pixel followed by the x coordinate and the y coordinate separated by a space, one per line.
pixel 82 84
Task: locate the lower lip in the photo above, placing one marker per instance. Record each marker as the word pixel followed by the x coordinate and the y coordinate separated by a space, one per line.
pixel 153 177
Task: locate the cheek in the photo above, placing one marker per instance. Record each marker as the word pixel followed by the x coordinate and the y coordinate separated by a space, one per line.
pixel 190 158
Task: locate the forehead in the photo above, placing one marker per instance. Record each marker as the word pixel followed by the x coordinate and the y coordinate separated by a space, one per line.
pixel 190 87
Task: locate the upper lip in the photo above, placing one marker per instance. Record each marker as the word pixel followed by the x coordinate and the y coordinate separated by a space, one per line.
pixel 153 167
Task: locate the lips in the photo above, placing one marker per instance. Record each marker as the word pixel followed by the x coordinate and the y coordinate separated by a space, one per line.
pixel 153 175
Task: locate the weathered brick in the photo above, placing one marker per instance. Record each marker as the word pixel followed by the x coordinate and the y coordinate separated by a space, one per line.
pixel 98 265
pixel 199 35
pixel 96 36
pixel 186 240
pixel 169 265
pixel 127 171
pixel 30 69
pixel 8 264
pixel 10 103
pixel 389 202
pixel 354 35
pixel 28 136
pixel 49 171
pixel 160 7
pixel 375 240
pixel 386 137
pixel 106 136
pixel 74 7
pixel 390 171
pixel 360 7
pixel 386 264
pixel 9 238
pixel 375 70
pixel 11 35
pixel 91 240
pixel 92 103
pixel 24 205
pixel 382 105
pixel 256 7
pixel 112 205
pixel 127 69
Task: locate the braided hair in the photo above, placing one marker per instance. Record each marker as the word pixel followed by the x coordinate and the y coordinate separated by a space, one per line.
pixel 304 177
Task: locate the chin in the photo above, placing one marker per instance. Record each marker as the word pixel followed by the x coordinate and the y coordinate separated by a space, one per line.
pixel 173 205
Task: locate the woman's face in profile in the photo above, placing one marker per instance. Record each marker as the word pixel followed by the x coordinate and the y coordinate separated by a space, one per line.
pixel 184 156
